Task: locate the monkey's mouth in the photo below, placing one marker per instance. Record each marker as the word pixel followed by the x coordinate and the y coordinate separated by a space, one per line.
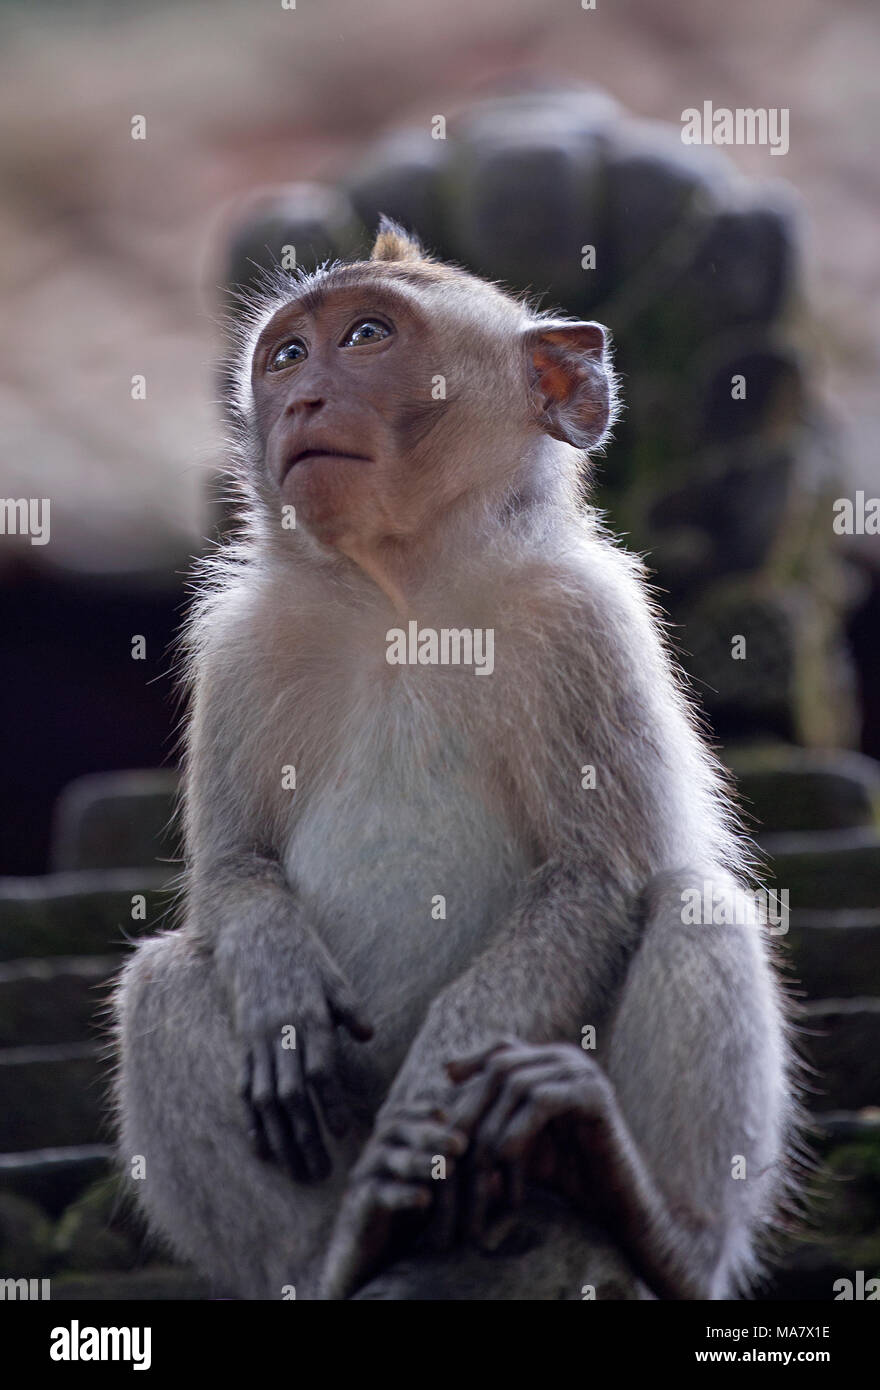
pixel 306 455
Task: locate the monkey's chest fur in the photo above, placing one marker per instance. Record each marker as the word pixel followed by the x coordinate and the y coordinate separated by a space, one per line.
pixel 408 869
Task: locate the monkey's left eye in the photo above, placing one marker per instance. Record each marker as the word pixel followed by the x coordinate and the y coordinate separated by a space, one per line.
pixel 367 331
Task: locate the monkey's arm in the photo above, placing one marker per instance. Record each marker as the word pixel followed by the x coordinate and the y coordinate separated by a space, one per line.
pixel 286 994
pixel 554 965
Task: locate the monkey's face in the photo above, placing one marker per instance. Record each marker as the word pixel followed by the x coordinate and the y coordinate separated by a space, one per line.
pixel 345 386
pixel 385 394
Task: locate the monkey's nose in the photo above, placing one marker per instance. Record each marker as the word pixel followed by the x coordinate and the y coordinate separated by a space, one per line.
pixel 304 405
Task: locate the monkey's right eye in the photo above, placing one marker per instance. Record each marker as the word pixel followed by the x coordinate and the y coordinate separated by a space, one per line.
pixel 288 355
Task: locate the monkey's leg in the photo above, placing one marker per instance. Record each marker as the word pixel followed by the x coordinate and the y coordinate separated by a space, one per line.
pixel 677 1146
pixel 700 1064
pixel 242 1222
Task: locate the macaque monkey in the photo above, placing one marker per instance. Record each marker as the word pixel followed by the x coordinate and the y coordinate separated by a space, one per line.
pixel 437 1022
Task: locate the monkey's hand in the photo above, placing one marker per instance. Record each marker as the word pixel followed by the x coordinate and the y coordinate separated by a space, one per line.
pixel 548 1115
pixel 285 1016
pixel 532 1114
pixel 389 1195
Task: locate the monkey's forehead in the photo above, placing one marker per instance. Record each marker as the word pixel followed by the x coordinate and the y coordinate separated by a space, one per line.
pixel 418 285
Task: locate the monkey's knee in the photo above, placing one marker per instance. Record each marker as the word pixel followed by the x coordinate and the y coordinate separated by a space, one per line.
pixel 182 1133
pixel 174 1078
pixel 176 1064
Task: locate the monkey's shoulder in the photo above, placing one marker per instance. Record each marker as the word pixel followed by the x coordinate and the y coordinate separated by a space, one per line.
pixel 586 602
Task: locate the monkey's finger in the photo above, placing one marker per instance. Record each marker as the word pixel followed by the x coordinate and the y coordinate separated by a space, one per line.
pixel 414 1165
pixel 404 1164
pixel 261 1075
pixel 426 1136
pixel 298 1113
pixel 402 1196
pixel 462 1068
pixel 466 1111
pixel 246 1083
pixel 474 1099
pixel 264 1098
pixel 276 1129
pixel 307 1136
pixel 255 1131
pixel 319 1071
pixel 516 1090
pixel 281 1141
pixel 544 1104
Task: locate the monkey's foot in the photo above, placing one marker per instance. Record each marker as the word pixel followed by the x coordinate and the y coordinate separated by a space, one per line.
pixel 389 1193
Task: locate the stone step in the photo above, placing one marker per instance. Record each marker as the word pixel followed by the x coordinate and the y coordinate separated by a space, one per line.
pixel 826 869
pixel 115 820
pixel 842 1126
pixel 26 1235
pixel 99 1231
pixel 53 999
pixel 836 954
pixel 841 1039
pixel 52 1096
pixel 786 789
pixel 81 913
pixel 54 1177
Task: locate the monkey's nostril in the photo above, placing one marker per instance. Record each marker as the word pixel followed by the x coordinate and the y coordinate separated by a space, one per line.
pixel 305 405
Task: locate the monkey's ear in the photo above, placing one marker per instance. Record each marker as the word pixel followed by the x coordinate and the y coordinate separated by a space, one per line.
pixel 394 244
pixel 571 383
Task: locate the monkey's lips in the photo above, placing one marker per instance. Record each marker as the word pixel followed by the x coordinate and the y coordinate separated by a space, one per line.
pixel 313 455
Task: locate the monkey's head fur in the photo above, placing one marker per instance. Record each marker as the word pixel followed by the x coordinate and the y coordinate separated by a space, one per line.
pixel 380 398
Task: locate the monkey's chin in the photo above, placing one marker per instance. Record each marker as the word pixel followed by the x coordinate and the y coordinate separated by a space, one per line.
pixel 330 527
pixel 327 497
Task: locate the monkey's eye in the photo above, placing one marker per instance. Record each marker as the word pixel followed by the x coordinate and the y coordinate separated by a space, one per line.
pixel 367 331
pixel 286 356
